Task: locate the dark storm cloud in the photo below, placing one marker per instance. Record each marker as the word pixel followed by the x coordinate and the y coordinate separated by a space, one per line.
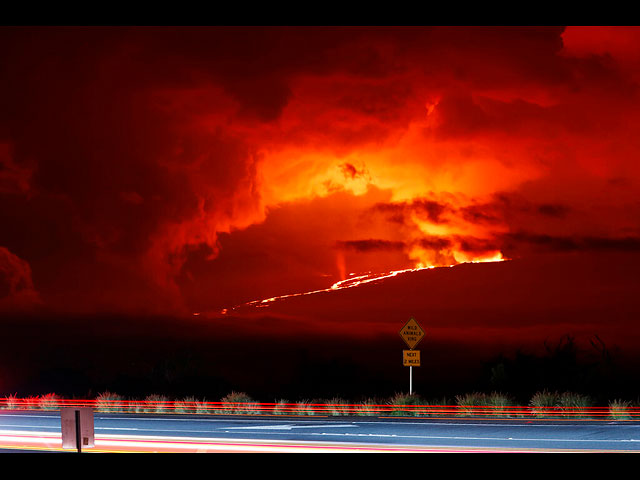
pixel 14 178
pixel 118 171
pixel 554 210
pixel 502 58
pixel 513 223
pixel 84 117
pixel 254 64
pixel 429 209
pixel 351 171
pixel 16 284
pixel 461 115
pixel 383 102
pixel 520 241
pixel 372 244
pixel 485 213
pixel 464 243
pixel 494 212
pixel 435 243
pixel 477 245
pixel 426 209
pixel 506 205
pixel 393 212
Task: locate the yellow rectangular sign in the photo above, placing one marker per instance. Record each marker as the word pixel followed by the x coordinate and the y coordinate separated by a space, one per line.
pixel 411 358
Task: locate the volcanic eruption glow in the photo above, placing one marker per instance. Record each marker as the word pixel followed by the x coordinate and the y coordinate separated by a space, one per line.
pixel 210 166
pixel 356 281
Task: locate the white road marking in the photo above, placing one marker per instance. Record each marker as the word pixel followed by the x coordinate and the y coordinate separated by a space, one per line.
pixel 287 427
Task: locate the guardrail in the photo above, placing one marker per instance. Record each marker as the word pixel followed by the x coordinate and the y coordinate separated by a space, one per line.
pixel 49 402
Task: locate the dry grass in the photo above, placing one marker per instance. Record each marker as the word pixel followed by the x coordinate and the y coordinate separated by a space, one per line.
pixel 50 401
pixel 494 404
pixel 542 404
pixel 239 403
pixel 12 402
pixel 186 405
pixel 110 402
pixel 619 410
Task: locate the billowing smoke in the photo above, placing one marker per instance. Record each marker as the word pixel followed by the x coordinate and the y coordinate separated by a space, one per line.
pixel 177 169
pixel 16 285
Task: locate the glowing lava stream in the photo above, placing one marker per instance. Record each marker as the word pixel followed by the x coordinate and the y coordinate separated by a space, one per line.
pixel 355 282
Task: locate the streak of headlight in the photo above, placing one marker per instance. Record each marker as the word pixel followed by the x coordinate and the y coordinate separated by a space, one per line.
pixel 114 444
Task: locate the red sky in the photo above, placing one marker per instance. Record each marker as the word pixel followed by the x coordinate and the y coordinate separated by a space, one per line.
pixel 169 171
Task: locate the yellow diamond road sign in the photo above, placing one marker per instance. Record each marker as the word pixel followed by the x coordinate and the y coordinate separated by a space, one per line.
pixel 412 333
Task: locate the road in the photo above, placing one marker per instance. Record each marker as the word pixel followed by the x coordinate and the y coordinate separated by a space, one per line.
pixel 40 431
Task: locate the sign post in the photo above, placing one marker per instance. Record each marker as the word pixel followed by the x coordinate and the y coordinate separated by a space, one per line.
pixel 411 333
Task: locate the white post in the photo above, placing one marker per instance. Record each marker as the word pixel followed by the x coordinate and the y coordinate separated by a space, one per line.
pixel 410 380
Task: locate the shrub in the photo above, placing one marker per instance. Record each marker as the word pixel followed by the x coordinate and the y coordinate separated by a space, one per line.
pixel 575 404
pixel 29 403
pixel 50 401
pixel 544 403
pixel 304 407
pixel 251 408
pixel 155 404
pixel 203 407
pixel 237 397
pixel 501 404
pixel 402 399
pixel 186 405
pixel 282 407
pixel 110 402
pixel 471 403
pixel 338 406
pixel 367 408
pixel 619 410
pixel 443 406
pixel 12 402
pixel 239 403
pixel 567 404
pixel 482 404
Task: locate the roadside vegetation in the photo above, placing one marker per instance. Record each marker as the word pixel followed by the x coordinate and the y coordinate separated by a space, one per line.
pixel 547 386
pixel 543 404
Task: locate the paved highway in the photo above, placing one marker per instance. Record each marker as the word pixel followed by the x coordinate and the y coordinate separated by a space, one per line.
pixel 40 431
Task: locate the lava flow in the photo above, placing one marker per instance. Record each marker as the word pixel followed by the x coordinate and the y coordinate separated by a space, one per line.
pixel 356 281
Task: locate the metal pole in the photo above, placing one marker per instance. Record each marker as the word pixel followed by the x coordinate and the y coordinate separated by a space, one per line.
pixel 78 434
pixel 410 380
